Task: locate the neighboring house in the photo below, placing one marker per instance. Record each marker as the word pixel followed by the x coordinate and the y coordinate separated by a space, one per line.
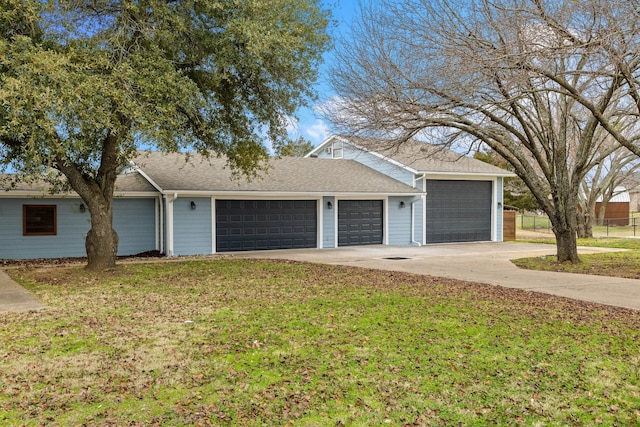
pixel 340 195
pixel 632 184
pixel 617 209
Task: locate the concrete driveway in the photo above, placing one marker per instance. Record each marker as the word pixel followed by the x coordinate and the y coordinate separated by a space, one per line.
pixel 484 262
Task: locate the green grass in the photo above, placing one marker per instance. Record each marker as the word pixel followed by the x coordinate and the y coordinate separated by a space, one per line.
pixel 531 222
pixel 541 223
pixel 602 242
pixel 615 264
pixel 231 342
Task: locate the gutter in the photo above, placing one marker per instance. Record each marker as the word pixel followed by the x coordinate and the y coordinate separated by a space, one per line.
pixel 413 216
pixel 422 198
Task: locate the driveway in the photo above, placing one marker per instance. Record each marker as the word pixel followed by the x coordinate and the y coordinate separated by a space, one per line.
pixel 484 262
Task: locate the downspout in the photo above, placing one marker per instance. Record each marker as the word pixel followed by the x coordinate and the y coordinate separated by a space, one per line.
pixel 161 225
pixel 413 209
pixel 413 216
pixel 170 201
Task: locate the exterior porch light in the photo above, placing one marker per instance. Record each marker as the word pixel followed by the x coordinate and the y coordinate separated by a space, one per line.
pixel 83 208
pixel 402 205
pixel 329 205
pixel 193 205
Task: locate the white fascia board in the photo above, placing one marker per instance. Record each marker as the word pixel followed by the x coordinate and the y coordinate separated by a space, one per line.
pixel 380 156
pixel 373 195
pixel 286 195
pixel 145 176
pixel 388 159
pixel 321 146
pixel 40 195
pixel 468 175
pixel 21 193
pixel 375 153
pixel 14 194
pixel 135 194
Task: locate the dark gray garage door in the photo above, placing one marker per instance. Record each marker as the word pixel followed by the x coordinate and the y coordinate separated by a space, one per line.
pixel 359 222
pixel 247 225
pixel 458 211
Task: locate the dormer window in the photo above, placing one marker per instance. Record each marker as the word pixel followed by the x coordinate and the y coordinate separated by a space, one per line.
pixel 337 150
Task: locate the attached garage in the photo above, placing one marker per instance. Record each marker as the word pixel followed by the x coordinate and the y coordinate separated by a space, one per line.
pixel 458 211
pixel 247 225
pixel 360 222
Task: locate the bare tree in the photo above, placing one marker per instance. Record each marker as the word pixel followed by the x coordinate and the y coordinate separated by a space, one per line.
pixel 533 80
pixel 602 182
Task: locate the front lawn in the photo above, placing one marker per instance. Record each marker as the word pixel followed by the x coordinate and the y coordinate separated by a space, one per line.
pixel 615 264
pixel 236 342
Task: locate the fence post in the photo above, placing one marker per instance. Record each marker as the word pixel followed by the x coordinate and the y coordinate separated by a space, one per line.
pixel 607 222
pixel 534 223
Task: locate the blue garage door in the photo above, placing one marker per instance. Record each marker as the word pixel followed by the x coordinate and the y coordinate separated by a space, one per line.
pixel 458 211
pixel 359 222
pixel 248 225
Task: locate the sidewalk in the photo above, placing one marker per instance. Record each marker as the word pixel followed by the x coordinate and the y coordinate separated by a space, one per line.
pixel 14 297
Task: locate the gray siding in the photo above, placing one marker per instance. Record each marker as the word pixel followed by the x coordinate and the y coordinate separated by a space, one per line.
pixel 374 162
pixel 399 222
pixel 135 222
pixel 192 234
pixel 328 222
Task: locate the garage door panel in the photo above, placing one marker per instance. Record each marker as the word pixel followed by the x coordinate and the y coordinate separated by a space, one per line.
pixel 359 222
pixel 458 211
pixel 243 225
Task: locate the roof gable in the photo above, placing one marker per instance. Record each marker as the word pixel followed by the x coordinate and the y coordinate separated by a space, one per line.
pixel 418 157
pixel 192 172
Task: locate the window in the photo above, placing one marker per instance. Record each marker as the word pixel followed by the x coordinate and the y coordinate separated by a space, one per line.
pixel 337 150
pixel 39 220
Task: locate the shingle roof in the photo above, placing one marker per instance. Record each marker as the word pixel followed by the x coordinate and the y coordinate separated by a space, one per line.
pixel 426 158
pixel 129 182
pixel 171 172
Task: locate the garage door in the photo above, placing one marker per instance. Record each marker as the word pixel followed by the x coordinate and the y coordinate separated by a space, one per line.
pixel 248 225
pixel 359 222
pixel 458 211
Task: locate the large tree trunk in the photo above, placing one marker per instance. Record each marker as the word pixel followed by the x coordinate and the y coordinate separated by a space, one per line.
pixel 566 245
pixel 602 212
pixel 585 224
pixel 564 217
pixel 565 225
pixel 102 240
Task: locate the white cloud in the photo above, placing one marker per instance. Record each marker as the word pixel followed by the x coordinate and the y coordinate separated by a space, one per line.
pixel 318 131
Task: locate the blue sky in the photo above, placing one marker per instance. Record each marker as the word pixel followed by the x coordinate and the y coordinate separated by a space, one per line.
pixel 310 126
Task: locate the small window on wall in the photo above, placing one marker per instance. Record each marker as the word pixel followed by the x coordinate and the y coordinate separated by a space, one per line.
pixel 337 150
pixel 39 220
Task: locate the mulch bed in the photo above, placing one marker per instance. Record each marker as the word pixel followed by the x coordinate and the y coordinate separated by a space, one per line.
pixel 71 260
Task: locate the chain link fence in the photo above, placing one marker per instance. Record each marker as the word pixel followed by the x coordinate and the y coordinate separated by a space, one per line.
pixel 609 227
